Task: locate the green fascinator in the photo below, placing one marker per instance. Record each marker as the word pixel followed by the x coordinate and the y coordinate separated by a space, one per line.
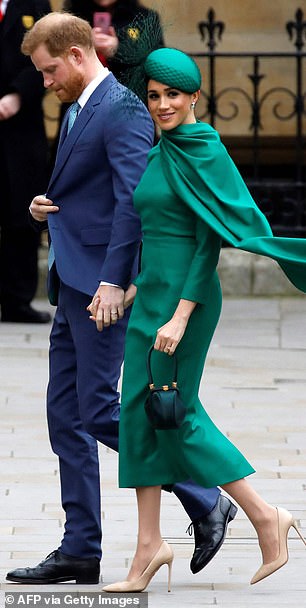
pixel 174 68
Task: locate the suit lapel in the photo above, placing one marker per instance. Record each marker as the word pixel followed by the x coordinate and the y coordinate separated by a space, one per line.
pixel 67 142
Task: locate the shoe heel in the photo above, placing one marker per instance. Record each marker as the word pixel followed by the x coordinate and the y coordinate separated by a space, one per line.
pixel 295 526
pixel 169 575
pixel 232 512
pixel 87 579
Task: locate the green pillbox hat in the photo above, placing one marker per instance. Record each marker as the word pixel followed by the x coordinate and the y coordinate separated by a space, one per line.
pixel 174 68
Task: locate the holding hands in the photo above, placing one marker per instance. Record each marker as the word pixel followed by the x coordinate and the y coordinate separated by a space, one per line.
pixel 130 295
pixel 106 306
pixel 109 303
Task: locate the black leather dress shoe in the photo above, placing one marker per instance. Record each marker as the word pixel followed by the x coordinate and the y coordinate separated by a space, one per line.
pixel 58 568
pixel 24 314
pixel 210 532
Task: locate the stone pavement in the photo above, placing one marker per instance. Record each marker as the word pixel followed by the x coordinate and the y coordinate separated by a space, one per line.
pixel 254 387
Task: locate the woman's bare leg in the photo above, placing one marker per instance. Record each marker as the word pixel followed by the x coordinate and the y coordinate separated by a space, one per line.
pixel 149 536
pixel 262 515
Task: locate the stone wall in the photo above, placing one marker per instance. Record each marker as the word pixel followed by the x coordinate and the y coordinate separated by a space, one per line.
pixel 250 25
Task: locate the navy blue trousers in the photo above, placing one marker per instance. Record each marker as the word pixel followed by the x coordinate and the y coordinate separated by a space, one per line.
pixel 83 407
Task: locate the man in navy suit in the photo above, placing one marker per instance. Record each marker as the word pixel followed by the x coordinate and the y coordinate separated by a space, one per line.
pixel 95 236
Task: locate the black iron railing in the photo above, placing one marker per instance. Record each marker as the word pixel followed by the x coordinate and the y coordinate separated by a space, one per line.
pixel 279 187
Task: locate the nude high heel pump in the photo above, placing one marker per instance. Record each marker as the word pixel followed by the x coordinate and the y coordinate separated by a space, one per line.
pixel 163 556
pixel 285 521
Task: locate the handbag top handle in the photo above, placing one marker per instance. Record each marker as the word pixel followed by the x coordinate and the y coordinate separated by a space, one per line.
pixel 150 376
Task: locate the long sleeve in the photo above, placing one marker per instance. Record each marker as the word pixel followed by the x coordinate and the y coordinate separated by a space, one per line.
pixel 204 263
pixel 127 148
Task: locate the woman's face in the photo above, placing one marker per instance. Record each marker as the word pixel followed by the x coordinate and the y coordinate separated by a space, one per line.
pixel 170 107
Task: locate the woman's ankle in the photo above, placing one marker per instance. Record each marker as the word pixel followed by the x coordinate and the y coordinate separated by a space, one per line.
pixel 145 552
pixel 264 517
pixel 148 541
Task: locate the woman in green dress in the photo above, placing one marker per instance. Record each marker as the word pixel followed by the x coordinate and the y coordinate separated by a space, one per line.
pixel 191 197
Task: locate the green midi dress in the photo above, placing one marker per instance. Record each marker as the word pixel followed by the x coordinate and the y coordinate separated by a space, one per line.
pixel 182 238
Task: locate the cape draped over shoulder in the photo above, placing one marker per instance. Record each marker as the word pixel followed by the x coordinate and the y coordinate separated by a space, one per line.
pixel 200 171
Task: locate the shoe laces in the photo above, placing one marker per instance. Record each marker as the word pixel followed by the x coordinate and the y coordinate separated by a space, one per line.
pixel 52 554
pixel 190 529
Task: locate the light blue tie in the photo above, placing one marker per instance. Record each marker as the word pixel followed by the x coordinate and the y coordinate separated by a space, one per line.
pixel 73 112
pixel 51 256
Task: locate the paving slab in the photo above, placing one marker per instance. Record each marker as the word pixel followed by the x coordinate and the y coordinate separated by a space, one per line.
pixel 253 386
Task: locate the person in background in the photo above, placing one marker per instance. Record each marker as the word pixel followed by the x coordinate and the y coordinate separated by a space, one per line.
pixel 23 162
pixel 121 45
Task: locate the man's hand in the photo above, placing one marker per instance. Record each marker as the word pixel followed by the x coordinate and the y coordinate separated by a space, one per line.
pixel 9 105
pixel 107 307
pixel 107 44
pixel 41 206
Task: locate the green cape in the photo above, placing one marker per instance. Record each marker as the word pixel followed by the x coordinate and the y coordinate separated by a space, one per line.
pixel 201 172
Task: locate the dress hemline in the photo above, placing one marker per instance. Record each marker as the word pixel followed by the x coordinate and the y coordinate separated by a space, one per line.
pixel 183 479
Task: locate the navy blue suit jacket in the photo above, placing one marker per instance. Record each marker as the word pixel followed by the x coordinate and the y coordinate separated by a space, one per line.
pixel 96 233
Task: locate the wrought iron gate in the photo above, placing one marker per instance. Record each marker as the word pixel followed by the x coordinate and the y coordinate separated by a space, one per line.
pixel 281 197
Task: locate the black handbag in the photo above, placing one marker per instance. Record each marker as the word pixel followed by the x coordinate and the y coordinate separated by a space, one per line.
pixel 164 406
